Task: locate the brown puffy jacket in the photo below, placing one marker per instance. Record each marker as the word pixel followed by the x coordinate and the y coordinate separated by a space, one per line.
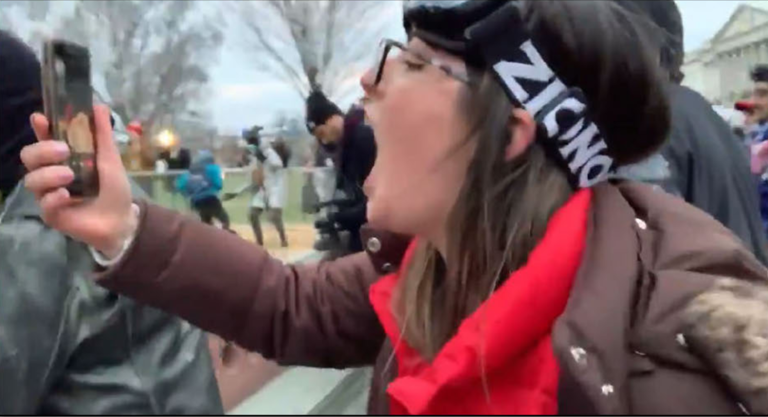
pixel 668 313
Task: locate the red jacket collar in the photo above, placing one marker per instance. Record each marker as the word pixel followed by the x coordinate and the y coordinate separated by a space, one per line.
pixel 512 328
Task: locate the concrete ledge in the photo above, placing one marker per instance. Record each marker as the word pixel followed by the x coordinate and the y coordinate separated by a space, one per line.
pixel 296 391
pixel 349 396
pixel 301 390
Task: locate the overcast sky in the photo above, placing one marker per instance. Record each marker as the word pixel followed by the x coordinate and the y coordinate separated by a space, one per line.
pixel 245 97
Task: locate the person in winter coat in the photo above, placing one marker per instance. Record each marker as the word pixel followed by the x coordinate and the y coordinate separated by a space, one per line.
pixel 536 283
pixel 67 345
pixel 202 185
pixel 324 175
pixel 273 194
pixel 708 165
pixel 758 133
pixel 353 141
pixel 269 187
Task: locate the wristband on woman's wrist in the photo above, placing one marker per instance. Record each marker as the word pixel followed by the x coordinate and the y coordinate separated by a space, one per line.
pixel 106 262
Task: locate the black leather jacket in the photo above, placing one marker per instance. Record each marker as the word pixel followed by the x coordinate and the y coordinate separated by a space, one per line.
pixel 68 346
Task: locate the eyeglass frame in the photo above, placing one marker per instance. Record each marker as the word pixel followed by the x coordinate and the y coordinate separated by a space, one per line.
pixel 386 45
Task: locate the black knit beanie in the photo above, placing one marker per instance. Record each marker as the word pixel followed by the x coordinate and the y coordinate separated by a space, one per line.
pixel 319 110
pixel 759 73
pixel 666 16
pixel 20 96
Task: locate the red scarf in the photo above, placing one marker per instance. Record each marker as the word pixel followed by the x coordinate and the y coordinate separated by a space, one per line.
pixel 521 371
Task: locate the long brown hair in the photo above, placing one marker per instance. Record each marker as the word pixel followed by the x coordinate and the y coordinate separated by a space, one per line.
pixel 504 206
pixel 501 213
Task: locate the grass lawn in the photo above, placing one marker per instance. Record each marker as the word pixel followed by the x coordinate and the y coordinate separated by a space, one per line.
pixel 161 190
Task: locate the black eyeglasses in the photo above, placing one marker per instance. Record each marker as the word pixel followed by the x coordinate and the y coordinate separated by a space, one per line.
pixel 386 46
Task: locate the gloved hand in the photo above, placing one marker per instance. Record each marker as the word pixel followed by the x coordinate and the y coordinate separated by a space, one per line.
pixel 228 196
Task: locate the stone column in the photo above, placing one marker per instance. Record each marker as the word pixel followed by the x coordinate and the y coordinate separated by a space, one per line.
pixel 727 86
pixel 721 62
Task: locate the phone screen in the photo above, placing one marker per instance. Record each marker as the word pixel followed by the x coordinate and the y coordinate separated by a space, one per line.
pixel 69 108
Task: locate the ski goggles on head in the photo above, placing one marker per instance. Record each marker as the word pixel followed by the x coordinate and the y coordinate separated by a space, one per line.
pixel 492 35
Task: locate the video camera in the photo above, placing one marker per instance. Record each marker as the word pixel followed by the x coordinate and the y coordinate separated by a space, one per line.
pixel 253 135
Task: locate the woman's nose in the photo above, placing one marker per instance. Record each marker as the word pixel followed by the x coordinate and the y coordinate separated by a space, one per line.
pixel 367 81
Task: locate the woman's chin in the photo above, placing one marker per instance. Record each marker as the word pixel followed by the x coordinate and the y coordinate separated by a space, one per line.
pixel 381 219
pixel 375 215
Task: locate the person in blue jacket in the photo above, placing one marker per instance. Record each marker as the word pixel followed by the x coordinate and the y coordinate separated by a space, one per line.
pixel 202 185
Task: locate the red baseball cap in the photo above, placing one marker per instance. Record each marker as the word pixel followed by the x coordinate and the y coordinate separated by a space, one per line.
pixel 744 105
pixel 135 127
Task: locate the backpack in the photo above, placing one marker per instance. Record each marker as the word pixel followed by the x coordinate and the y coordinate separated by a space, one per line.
pixel 197 183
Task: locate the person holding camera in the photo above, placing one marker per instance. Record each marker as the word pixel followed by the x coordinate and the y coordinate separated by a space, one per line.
pixel 268 183
pixel 353 142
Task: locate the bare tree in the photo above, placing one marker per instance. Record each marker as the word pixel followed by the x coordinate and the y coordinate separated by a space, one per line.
pixel 33 13
pixel 315 44
pixel 154 56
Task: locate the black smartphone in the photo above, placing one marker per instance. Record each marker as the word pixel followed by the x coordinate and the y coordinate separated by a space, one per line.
pixel 68 102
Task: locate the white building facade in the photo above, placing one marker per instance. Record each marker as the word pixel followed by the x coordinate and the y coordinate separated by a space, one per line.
pixel 720 69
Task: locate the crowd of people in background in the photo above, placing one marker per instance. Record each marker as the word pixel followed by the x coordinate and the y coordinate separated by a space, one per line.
pixel 756 135
pixel 705 163
pixel 343 157
pixel 523 215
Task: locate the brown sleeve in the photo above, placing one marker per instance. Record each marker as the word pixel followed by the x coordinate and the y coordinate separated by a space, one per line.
pixel 311 315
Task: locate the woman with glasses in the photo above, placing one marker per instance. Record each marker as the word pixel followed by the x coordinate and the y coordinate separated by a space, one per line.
pixel 537 280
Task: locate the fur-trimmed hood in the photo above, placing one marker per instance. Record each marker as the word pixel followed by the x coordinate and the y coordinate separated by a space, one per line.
pixel 728 327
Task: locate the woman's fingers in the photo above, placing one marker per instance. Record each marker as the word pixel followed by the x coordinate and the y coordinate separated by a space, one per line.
pixel 112 174
pixel 52 203
pixel 103 222
pixel 107 152
pixel 41 154
pixel 43 180
pixel 40 126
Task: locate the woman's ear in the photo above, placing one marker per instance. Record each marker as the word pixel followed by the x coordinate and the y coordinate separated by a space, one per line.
pixel 522 132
